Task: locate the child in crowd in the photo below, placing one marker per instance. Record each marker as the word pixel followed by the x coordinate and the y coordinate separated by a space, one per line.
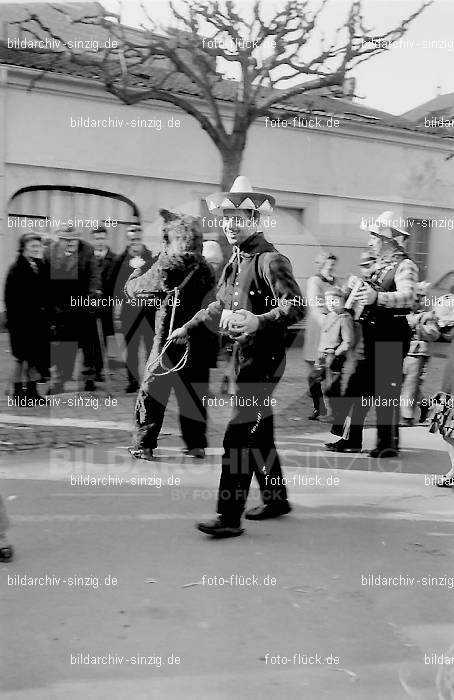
pixel 336 340
pixel 425 330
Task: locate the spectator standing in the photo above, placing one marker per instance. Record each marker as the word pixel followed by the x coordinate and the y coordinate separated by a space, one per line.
pixel 336 341
pixel 73 284
pixel 316 309
pixel 425 330
pixel 27 317
pixel 106 262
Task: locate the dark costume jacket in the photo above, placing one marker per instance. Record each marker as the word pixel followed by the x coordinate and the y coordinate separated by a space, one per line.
pixel 27 312
pixel 259 279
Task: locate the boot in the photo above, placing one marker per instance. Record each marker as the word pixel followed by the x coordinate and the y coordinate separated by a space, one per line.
pixel 31 391
pixel 133 387
pixel 19 392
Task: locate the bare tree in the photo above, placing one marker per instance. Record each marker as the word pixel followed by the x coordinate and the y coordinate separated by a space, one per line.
pixel 275 60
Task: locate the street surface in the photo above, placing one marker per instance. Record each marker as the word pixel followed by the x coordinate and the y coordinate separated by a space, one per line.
pixel 232 640
pixel 114 594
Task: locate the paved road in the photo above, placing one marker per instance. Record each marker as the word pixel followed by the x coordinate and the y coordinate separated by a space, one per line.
pixel 232 640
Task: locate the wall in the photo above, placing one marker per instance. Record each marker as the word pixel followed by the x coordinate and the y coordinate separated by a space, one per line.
pixel 335 177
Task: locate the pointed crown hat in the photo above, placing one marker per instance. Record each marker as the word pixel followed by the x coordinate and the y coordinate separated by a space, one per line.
pixel 241 196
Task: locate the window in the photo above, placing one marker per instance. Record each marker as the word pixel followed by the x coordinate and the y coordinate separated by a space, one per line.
pixel 418 244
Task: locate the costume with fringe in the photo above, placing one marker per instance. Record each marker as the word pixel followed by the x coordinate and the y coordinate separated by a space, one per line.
pixel 192 276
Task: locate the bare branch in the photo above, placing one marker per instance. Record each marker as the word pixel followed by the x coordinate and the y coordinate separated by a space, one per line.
pixel 186 60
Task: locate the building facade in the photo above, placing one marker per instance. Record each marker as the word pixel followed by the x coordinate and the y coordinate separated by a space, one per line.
pixel 68 150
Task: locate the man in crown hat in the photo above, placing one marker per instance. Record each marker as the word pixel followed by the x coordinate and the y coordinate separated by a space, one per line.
pixel 257 299
pixel 389 297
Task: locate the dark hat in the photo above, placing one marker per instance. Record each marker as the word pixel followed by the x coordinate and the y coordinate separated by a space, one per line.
pixel 25 238
pixel 68 233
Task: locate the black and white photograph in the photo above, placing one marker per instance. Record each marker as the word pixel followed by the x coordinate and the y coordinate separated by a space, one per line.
pixel 226 350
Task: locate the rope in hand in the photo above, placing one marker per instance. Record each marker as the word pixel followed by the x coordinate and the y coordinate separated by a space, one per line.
pixel 159 360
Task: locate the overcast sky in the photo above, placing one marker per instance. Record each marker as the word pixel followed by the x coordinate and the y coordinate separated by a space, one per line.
pixel 396 81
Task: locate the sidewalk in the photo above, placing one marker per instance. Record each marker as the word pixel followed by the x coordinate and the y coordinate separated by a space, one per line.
pixel 100 422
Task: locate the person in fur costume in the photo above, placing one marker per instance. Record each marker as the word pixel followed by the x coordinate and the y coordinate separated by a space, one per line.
pixel 177 284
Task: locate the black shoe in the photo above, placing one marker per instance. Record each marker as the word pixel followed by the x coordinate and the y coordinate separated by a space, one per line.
pixel 384 453
pixel 90 385
pixel 132 388
pixel 220 528
pixel 320 411
pixel 266 512
pixel 6 552
pixel 424 411
pixel 343 446
pixel 314 415
pixel 337 430
pixel 446 483
pixel 31 391
pixel 197 452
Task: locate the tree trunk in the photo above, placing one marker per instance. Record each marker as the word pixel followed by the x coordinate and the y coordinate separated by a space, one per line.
pixel 231 164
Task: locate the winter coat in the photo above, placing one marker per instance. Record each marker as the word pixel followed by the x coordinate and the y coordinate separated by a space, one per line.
pixel 27 312
pixel 71 276
pixel 106 269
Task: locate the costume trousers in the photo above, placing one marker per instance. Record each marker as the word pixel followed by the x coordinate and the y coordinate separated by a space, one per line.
pixel 190 386
pixel 249 445
pixel 345 402
pixel 385 346
pixel 134 332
